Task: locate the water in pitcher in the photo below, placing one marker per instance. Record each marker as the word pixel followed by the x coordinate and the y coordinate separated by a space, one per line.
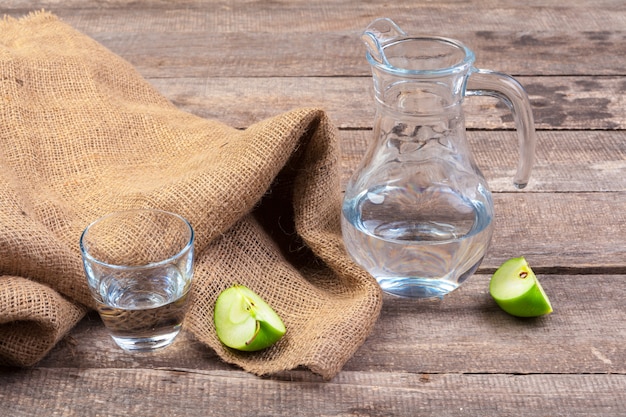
pixel 435 242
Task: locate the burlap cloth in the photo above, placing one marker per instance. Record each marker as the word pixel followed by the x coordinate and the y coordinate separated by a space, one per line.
pixel 82 134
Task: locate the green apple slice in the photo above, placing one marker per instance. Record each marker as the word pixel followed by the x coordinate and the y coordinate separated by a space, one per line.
pixel 244 321
pixel 517 291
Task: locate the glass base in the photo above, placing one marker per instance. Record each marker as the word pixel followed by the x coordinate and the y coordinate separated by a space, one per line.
pixel 146 344
pixel 411 287
pixel 415 287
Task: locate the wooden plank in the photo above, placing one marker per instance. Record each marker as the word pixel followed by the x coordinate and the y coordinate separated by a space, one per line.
pixel 300 4
pixel 89 346
pixel 581 103
pixel 209 54
pixel 182 392
pixel 225 41
pixel 585 217
pixel 319 16
pixel 581 232
pixel 466 332
pixel 566 161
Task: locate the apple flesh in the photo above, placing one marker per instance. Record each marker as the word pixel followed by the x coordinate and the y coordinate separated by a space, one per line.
pixel 244 321
pixel 517 291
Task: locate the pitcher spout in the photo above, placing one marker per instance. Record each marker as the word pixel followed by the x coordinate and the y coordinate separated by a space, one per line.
pixel 378 34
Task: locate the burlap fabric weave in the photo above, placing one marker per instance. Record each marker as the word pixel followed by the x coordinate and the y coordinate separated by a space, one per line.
pixel 82 135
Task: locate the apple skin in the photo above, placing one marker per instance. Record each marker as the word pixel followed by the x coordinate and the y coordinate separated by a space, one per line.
pixel 516 289
pixel 244 321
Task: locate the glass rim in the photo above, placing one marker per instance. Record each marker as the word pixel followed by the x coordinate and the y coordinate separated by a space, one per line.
pixel 465 64
pixel 188 246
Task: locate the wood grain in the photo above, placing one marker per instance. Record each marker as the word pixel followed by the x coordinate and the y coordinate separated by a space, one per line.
pixel 463 333
pixel 565 161
pixel 180 392
pixel 243 61
pixel 198 39
pixel 563 103
pixel 209 54
pixel 327 15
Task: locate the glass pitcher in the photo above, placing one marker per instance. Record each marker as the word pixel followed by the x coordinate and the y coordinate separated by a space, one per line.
pixel 417 212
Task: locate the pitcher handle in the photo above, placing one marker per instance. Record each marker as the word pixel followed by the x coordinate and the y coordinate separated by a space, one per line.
pixel 506 88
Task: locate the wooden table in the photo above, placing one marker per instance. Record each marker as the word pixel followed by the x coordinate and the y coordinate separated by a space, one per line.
pixel 243 61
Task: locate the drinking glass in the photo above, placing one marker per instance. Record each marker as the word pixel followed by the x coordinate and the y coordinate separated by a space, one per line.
pixel 139 267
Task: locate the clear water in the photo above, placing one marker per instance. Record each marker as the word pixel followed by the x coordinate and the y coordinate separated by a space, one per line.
pixel 417 242
pixel 143 312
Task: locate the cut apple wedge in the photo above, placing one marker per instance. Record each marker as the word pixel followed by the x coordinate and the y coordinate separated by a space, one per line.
pixel 517 291
pixel 244 321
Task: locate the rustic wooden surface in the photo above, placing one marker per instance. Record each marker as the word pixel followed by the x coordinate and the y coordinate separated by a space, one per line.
pixel 243 61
